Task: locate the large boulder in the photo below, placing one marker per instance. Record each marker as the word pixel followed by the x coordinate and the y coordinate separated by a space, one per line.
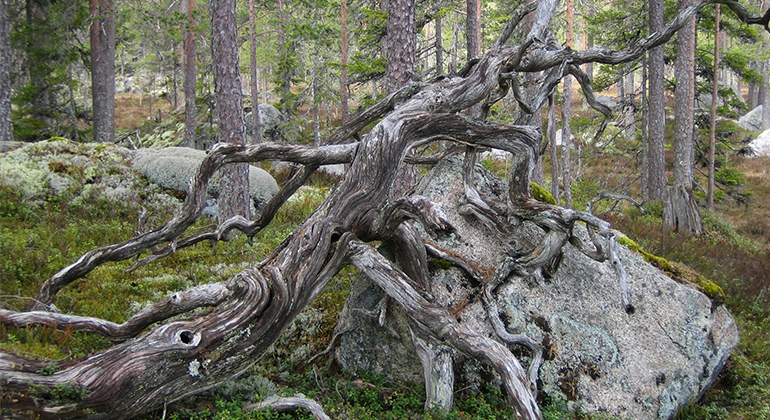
pixel 761 145
pixel 270 121
pixel 641 365
pixel 173 168
pixel 753 120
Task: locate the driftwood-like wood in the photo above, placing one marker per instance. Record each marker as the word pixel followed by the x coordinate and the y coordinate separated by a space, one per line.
pixel 157 359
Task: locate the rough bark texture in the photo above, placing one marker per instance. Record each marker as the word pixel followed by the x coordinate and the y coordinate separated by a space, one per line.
pixel 253 73
pixel 6 127
pixel 656 117
pixel 234 195
pixel 187 7
pixel 344 58
pixel 681 208
pixel 175 357
pixel 713 110
pixel 399 42
pixel 103 69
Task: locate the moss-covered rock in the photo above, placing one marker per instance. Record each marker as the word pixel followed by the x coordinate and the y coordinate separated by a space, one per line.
pixel 678 272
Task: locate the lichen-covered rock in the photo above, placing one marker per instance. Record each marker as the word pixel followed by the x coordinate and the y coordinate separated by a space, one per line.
pixel 270 120
pixel 752 121
pixel 641 365
pixel 173 168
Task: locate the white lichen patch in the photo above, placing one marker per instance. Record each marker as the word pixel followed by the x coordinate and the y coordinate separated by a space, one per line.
pixel 193 368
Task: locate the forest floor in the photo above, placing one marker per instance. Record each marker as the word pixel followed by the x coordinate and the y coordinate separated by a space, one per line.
pixel 735 254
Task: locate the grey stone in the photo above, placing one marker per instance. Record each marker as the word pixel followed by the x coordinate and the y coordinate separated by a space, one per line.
pixel 752 121
pixel 270 120
pixel 643 365
pixel 173 168
pixel 607 101
pixel 761 145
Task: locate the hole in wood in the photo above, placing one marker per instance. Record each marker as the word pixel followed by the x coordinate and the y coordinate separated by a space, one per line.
pixel 186 337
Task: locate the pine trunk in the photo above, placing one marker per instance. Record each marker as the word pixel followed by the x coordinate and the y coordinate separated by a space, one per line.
pixel 234 192
pixel 103 69
pixel 681 208
pixel 657 115
pixel 6 126
pixel 190 73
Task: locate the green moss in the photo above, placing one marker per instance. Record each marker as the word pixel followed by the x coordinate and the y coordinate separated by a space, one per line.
pixel 440 264
pixel 682 275
pixel 711 289
pixel 541 194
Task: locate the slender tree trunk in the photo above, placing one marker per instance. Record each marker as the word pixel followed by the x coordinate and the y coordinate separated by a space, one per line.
pixel 765 89
pixel 453 49
pixel 680 209
pixel 234 189
pixel 6 125
pixel 344 70
pixel 284 72
pixel 473 40
pixel 255 123
pixel 566 132
pixel 551 134
pixel 713 114
pixel 103 69
pixel 657 116
pixel 39 54
pixel 473 28
pixel 645 177
pixel 439 49
pixel 190 73
pixel 764 93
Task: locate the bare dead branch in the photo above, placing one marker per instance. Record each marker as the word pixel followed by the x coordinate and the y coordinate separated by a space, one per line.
pixel 290 404
pixel 179 303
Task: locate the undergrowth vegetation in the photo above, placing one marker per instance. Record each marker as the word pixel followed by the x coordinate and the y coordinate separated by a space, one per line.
pixel 44 229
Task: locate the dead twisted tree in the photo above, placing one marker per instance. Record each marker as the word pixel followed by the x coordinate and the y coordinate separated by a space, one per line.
pixel 157 360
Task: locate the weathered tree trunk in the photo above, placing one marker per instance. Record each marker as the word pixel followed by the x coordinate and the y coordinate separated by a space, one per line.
pixel 234 194
pixel 187 7
pixel 158 359
pixel 6 126
pixel 103 69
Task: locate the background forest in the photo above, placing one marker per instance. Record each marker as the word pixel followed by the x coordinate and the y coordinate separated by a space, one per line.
pixel 318 63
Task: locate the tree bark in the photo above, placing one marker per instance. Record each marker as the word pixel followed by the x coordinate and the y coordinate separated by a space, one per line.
pixel 234 194
pixel 187 7
pixel 713 112
pixel 256 123
pixel 439 48
pixel 566 110
pixel 399 43
pixel 103 69
pixel 160 362
pixel 344 57
pixel 6 124
pixel 657 114
pixel 681 208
